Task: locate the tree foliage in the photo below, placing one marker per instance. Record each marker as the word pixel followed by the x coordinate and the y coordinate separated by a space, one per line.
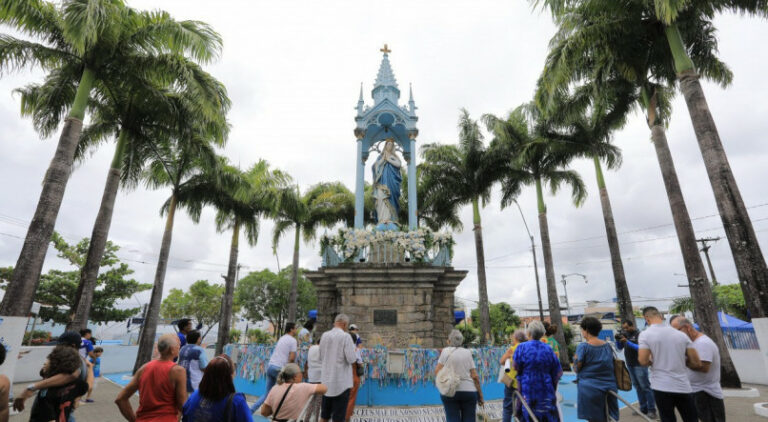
pixel 57 288
pixel 264 295
pixel 729 298
pixel 503 321
pixel 201 302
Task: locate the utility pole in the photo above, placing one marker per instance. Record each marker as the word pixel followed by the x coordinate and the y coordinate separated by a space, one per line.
pixel 565 289
pixel 535 266
pixel 705 248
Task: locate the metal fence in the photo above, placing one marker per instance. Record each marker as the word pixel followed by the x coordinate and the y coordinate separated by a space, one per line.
pixel 739 338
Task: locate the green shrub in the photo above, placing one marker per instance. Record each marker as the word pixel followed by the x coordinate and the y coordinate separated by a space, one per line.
pixel 234 336
pixel 258 336
pixel 470 334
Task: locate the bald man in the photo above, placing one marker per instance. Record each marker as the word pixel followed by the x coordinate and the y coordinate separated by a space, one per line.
pixel 163 386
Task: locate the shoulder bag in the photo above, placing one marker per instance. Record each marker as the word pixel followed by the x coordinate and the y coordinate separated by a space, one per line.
pixel 280 405
pixel 447 380
pixel 623 381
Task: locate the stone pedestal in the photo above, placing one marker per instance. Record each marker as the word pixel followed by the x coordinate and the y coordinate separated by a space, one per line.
pixel 399 304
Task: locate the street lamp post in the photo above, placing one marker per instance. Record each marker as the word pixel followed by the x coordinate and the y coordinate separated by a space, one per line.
pixel 565 289
pixel 535 266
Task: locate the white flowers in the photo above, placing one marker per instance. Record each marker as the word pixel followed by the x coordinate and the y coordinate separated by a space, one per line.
pixel 417 243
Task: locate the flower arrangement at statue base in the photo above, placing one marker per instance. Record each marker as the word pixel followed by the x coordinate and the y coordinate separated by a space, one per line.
pixel 416 245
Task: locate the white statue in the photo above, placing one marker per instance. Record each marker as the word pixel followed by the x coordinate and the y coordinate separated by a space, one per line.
pixel 386 186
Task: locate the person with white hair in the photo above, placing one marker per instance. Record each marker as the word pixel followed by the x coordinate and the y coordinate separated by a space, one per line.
pixel 461 405
pixel 287 399
pixel 704 378
pixel 337 353
pixel 538 371
pixel 667 352
pixel 163 386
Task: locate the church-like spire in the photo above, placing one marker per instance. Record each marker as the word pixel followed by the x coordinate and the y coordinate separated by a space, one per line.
pixel 360 101
pixel 386 84
pixel 411 103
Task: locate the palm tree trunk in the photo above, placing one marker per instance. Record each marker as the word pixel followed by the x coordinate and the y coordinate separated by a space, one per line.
pixel 90 272
pixel 619 279
pixel 700 290
pixel 482 286
pixel 294 277
pixel 749 259
pixel 20 292
pixel 555 317
pixel 149 328
pixel 225 317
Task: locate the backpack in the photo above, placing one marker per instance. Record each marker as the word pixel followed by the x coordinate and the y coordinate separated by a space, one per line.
pixel 447 380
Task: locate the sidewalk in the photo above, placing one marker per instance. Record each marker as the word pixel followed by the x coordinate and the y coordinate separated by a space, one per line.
pixel 737 409
pixel 103 409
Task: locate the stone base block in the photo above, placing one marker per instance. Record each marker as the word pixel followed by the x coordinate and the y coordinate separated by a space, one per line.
pixel 394 306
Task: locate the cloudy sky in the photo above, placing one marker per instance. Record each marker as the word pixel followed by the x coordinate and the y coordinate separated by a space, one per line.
pixel 293 71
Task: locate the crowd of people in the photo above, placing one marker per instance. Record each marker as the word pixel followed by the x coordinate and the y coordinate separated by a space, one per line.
pixel 684 376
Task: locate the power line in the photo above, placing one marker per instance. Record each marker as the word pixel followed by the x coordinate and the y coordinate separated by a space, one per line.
pixel 154 263
pixel 652 227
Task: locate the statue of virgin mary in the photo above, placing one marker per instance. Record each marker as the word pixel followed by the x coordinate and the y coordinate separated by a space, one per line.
pixel 386 187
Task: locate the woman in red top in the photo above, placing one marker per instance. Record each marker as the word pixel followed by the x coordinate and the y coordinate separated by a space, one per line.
pixel 162 386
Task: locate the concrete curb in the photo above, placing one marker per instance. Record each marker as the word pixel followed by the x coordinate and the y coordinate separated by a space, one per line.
pixel 741 392
pixel 761 409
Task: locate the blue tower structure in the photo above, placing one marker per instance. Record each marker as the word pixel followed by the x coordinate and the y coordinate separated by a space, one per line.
pixel 386 119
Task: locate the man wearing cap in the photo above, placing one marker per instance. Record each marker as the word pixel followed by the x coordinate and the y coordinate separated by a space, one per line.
pixel 71 339
pixel 354 330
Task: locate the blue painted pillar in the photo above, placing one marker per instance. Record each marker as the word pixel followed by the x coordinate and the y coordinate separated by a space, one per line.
pixel 359 186
pixel 412 183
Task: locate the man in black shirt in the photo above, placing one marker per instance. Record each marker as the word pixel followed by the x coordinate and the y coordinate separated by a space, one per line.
pixel 627 339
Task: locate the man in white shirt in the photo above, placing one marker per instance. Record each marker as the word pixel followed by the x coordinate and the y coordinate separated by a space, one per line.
pixel 704 379
pixel 337 353
pixel 284 353
pixel 668 351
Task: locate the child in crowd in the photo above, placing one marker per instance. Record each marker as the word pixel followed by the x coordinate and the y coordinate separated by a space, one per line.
pixel 96 361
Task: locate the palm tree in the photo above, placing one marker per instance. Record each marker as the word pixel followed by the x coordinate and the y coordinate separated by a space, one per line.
pixel 128 114
pixel 592 43
pixel 240 205
pixel 324 204
pixel 452 176
pixel 750 262
pixel 533 158
pixel 586 120
pixel 84 42
pixel 188 164
pixel 682 35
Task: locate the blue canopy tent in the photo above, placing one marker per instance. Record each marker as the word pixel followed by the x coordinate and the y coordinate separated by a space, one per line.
pixel 458 316
pixel 729 321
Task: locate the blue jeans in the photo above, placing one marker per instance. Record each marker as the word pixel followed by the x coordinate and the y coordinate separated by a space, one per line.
pixel 461 407
pixel 639 376
pixel 272 372
pixel 509 406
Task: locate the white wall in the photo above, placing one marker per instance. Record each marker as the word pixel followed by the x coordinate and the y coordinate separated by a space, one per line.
pixel 114 360
pixel 750 365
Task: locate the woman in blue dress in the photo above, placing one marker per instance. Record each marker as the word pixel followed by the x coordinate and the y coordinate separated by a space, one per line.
pixel 538 371
pixel 593 363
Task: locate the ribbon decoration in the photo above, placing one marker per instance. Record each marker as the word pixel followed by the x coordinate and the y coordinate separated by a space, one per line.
pixel 419 368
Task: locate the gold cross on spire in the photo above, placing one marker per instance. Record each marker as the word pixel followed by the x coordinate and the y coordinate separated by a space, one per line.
pixel 385 50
